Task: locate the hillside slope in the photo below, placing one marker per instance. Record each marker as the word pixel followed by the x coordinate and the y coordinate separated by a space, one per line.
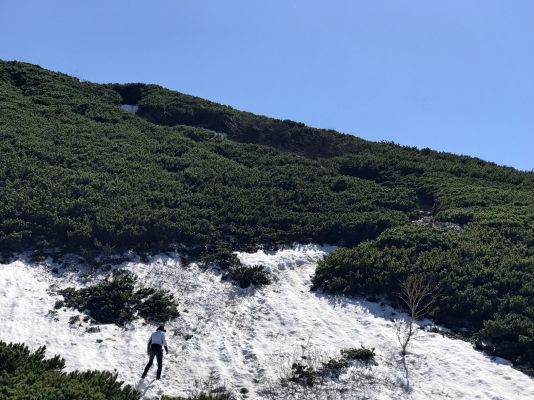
pixel 245 341
pixel 78 173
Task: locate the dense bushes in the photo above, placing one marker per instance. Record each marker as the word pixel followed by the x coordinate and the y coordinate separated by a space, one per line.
pixel 29 375
pixel 117 300
pixel 510 335
pixel 244 276
pixel 78 172
pixel 221 256
pixel 486 279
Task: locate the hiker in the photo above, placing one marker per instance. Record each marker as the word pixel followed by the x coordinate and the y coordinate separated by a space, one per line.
pixel 156 343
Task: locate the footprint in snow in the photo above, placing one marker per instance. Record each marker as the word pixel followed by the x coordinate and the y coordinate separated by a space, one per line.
pixel 143 385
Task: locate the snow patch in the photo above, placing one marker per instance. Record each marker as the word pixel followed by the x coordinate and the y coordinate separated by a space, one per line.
pixel 276 261
pixel 245 338
pixel 130 107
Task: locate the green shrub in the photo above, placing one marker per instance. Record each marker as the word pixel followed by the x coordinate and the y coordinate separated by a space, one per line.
pixel 29 375
pixel 361 354
pixel 117 300
pixel 484 274
pixel 334 367
pixel 303 374
pixel 307 373
pixel 219 253
pixel 245 276
pixel 510 336
pixel 59 304
pixel 155 305
pixel 108 181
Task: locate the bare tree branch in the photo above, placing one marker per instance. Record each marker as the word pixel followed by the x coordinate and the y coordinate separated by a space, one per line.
pixel 419 294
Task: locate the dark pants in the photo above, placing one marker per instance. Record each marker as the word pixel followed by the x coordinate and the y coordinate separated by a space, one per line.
pixel 155 351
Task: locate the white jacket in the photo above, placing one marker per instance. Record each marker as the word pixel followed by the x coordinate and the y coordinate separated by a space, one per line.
pixel 157 337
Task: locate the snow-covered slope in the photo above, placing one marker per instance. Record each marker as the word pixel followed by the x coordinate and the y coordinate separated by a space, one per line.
pixel 245 340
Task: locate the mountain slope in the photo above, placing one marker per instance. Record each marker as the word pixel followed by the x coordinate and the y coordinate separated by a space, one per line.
pixel 80 174
pixel 248 339
pixel 79 171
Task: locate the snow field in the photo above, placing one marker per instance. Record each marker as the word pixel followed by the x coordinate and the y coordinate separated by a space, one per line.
pixel 235 338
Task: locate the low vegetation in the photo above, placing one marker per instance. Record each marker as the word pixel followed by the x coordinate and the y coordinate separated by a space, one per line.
pixel 118 300
pixel 485 278
pixel 362 353
pixel 310 371
pixel 244 276
pixel 79 173
pixel 30 375
pixel 221 256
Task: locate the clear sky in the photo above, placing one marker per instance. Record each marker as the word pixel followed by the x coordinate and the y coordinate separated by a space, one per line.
pixel 454 75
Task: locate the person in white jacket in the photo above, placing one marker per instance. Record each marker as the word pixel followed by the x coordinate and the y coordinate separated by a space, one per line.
pixel 156 344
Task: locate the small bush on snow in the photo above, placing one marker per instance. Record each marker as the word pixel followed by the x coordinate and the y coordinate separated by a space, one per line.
pixel 362 354
pixel 117 300
pixel 245 276
pixel 334 367
pixel 312 371
pixel 59 304
pixel 303 374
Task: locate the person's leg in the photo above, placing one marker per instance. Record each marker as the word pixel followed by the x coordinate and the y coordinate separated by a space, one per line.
pixel 150 361
pixel 159 358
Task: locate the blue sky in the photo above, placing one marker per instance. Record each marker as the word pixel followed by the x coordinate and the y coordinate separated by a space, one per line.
pixel 451 75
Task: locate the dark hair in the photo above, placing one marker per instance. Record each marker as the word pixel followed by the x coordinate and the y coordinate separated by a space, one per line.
pixel 161 328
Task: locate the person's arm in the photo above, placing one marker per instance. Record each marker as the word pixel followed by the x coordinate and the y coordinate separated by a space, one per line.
pixel 149 343
pixel 165 344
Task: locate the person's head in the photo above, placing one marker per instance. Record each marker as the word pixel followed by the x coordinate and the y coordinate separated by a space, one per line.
pixel 161 328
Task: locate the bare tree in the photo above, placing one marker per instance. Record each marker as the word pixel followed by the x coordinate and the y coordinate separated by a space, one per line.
pixel 419 294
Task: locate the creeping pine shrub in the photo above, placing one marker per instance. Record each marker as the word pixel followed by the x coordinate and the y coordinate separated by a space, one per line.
pixel 59 304
pixel 239 274
pixel 334 367
pixel 303 374
pixel 5 257
pixel 117 300
pixel 156 305
pixel 362 354
pixel 306 374
pixel 245 276
pixel 29 375
pixel 221 254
